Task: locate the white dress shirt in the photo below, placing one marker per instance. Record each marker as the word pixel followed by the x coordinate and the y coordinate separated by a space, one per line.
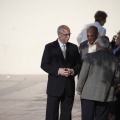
pixel 91 48
pixel 61 45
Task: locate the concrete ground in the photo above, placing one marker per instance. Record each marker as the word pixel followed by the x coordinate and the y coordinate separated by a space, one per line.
pixel 23 97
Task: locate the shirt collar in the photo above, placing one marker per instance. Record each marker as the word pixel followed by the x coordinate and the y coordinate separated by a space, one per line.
pixel 60 43
pixel 90 44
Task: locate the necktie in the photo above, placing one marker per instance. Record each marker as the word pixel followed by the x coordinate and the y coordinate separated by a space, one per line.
pixel 64 50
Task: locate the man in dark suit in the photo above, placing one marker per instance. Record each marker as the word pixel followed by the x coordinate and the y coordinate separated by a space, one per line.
pixel 89 46
pixel 61 60
pixel 99 74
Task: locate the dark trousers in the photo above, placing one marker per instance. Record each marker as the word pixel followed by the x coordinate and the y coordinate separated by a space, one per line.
pixel 115 109
pixel 53 103
pixel 94 110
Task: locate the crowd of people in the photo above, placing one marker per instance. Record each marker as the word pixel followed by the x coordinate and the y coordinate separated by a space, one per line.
pixel 96 62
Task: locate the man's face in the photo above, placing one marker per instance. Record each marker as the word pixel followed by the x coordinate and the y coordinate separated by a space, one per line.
pixel 92 36
pixel 64 35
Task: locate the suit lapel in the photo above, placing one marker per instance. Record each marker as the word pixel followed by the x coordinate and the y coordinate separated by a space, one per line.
pixel 84 49
pixel 68 49
pixel 58 49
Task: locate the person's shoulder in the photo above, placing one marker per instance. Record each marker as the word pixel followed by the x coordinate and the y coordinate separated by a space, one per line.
pixel 84 43
pixel 91 54
pixel 98 25
pixel 52 43
pixel 87 25
pixel 71 44
pixel 94 55
pixel 88 56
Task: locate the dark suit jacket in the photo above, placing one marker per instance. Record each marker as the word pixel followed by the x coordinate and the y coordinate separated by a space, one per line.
pixel 113 47
pixel 118 54
pixel 52 60
pixel 83 48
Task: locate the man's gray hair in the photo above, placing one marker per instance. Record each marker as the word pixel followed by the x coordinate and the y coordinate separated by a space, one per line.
pixel 103 41
pixel 61 27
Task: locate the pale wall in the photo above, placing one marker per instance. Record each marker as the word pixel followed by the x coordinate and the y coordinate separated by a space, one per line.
pixel 27 25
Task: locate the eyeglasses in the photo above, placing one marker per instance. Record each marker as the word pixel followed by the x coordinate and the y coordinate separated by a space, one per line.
pixel 66 35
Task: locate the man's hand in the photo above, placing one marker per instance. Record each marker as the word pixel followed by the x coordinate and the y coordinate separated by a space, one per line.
pixel 61 71
pixel 71 71
pixel 66 72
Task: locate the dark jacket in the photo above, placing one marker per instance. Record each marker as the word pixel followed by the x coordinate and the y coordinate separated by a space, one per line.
pixel 52 60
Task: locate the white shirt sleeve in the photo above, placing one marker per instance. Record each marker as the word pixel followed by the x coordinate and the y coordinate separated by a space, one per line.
pixel 82 35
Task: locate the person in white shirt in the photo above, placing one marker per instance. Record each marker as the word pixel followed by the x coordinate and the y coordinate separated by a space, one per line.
pixel 100 20
pixel 89 45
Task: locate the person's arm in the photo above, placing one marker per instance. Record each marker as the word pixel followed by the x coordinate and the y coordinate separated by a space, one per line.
pixel 83 74
pixel 77 67
pixel 82 35
pixel 46 64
